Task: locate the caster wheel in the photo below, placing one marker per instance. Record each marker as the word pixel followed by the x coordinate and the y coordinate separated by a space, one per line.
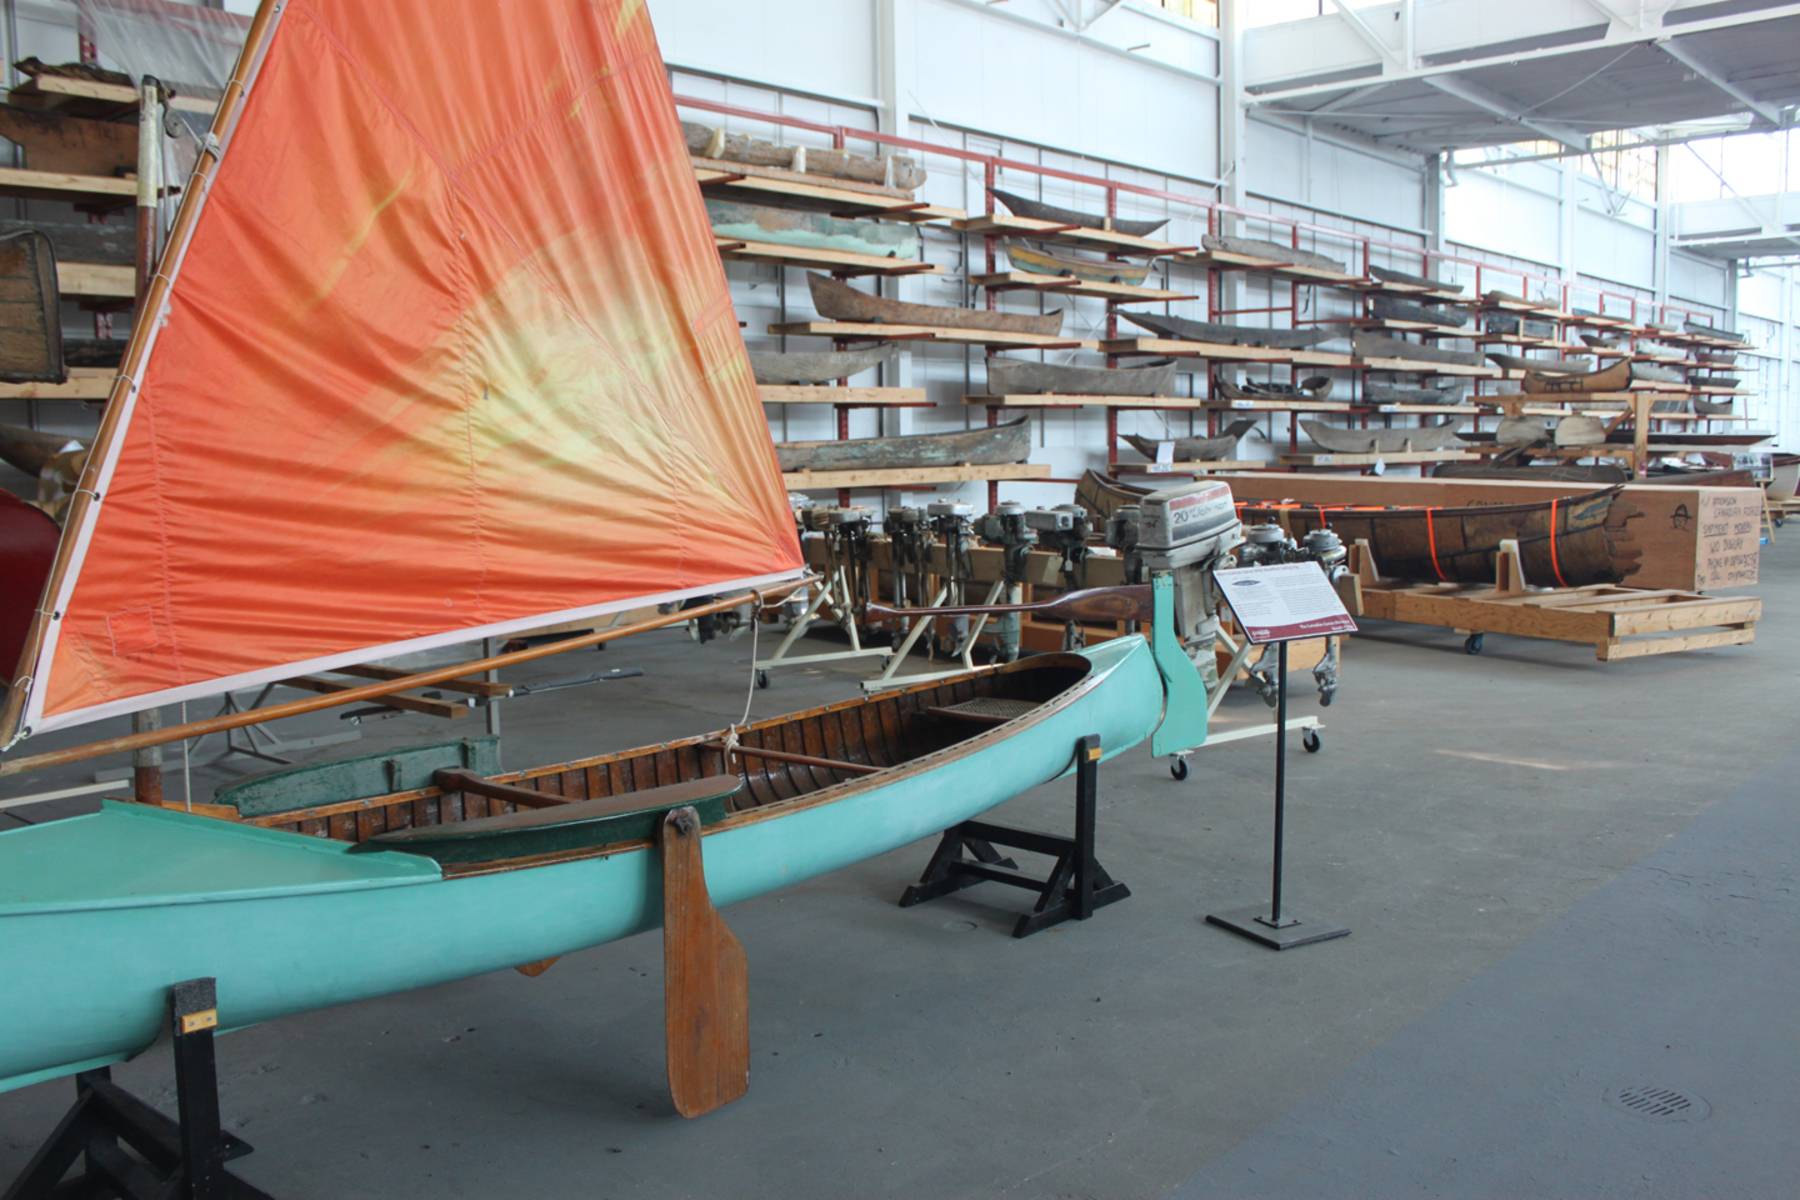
pixel 1179 769
pixel 1312 741
pixel 1473 644
pixel 762 679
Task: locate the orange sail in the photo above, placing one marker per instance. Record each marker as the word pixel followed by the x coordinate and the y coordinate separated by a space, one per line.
pixel 444 350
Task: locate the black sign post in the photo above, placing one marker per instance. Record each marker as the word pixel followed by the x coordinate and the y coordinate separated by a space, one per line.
pixel 1276 605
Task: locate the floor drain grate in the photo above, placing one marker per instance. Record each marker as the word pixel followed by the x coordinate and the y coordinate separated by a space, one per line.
pixel 1659 1103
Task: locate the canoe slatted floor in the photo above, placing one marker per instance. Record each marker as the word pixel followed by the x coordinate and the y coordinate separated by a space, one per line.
pixel 881 731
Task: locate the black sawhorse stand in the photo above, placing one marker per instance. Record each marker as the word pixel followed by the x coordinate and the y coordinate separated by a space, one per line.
pixel 175 1159
pixel 1076 886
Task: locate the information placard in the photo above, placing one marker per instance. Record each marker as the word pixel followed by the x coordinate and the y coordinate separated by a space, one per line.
pixel 1284 603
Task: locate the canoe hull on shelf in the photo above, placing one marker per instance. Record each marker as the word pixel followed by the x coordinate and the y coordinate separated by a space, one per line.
pixel 1338 440
pixel 1018 377
pixel 819 366
pixel 1037 210
pixel 807 229
pixel 840 302
pixel 1039 261
pixel 989 446
pixel 1191 449
pixel 1185 329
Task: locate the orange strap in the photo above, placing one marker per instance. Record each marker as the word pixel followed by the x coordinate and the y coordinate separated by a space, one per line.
pixel 1555 567
pixel 1431 539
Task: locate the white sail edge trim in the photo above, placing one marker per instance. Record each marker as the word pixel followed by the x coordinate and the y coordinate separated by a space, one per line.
pixel 31 719
pixel 436 641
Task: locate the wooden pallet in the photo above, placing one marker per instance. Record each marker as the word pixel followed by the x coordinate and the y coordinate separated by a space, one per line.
pixel 1618 622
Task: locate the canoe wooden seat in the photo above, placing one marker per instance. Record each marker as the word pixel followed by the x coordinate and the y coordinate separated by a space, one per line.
pixel 985 710
pixel 553 825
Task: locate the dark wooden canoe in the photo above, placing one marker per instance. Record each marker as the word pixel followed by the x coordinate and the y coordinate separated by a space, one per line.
pixel 810 229
pixel 1257 248
pixel 1390 275
pixel 1183 329
pixel 1711 408
pixel 1018 377
pixel 1040 261
pixel 1194 449
pixel 1037 210
pixel 840 302
pixel 1008 443
pixel 818 366
pixel 897 171
pixel 1705 330
pixel 1547 364
pixel 1550 472
pixel 1382 441
pixel 1614 378
pixel 1375 345
pixel 1592 540
pixel 1387 393
pixel 1313 387
pixel 31 450
pixel 1389 309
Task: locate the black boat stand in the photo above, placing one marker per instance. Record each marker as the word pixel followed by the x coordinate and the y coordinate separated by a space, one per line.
pixel 175 1159
pixel 1076 886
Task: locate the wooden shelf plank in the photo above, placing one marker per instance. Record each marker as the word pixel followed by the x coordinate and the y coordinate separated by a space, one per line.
pixel 1425 410
pixel 1044 400
pixel 1051 231
pixel 1067 285
pixel 1278 404
pixel 744 178
pixel 1410 291
pixel 839 262
pixel 860 331
pixel 100 281
pixel 84 383
pixel 1420 366
pixel 1194 467
pixel 857 397
pixel 54 91
pixel 898 477
pixel 71 189
pixel 1517 339
pixel 1525 307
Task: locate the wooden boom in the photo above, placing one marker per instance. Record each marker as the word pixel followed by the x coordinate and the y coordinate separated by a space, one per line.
pixel 1129 602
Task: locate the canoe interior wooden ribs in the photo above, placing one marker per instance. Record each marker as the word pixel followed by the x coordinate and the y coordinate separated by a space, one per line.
pixel 1040 260
pixel 1037 210
pixel 1387 393
pixel 1545 362
pixel 898 171
pixel 1382 441
pixel 30 310
pixel 1570 542
pixel 841 302
pixel 1614 378
pixel 1183 329
pixel 1020 377
pixel 1194 449
pixel 1375 345
pixel 1390 275
pixel 1390 309
pixel 1258 248
pixel 1313 387
pixel 809 229
pixel 993 445
pixel 818 366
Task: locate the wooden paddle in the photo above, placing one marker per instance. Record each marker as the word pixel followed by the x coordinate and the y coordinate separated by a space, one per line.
pixel 706 985
pixel 1127 602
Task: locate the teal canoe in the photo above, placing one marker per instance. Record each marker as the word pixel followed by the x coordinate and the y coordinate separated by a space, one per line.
pixel 302 908
pixel 809 230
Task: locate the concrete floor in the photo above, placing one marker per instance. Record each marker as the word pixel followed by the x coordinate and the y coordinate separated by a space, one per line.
pixel 1461 805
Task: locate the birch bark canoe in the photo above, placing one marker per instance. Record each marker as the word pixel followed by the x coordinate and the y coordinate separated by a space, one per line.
pixel 1037 210
pixel 818 366
pixel 1614 378
pixel 1193 449
pixel 1184 329
pixel 811 230
pixel 840 302
pixel 1041 261
pixel 1257 248
pixel 1008 443
pixel 1382 441
pixel 1019 377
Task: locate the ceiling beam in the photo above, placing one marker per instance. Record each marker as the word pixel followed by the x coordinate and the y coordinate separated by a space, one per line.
pixel 1681 54
pixel 1349 97
pixel 1354 19
pixel 1506 110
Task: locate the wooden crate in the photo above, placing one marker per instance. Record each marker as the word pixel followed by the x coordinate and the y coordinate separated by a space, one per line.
pixel 1618 622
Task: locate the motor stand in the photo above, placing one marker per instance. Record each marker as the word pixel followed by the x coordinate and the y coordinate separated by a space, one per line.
pixel 1076 886
pixel 1269 926
pixel 173 1158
